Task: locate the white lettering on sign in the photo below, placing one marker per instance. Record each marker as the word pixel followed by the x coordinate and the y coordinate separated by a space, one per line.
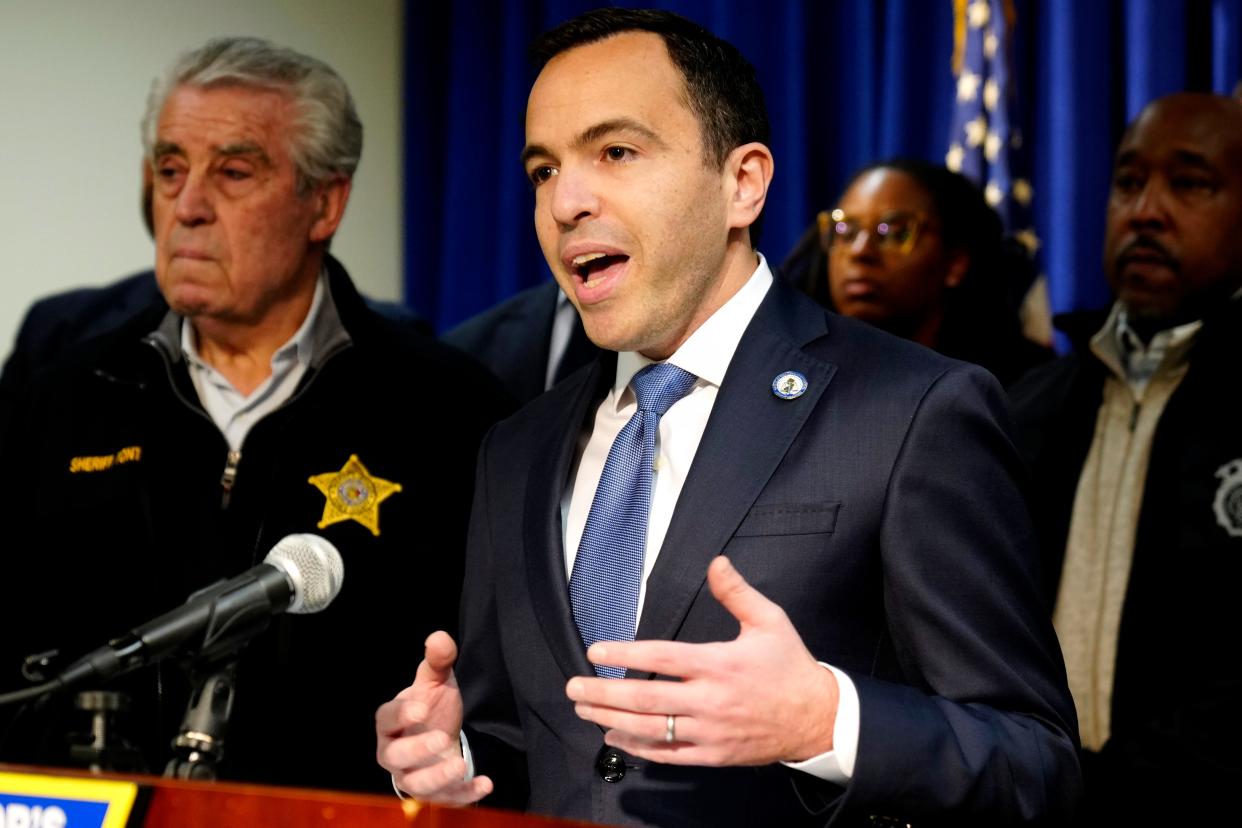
pixel 17 815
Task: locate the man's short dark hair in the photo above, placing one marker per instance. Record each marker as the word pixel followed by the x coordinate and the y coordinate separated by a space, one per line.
pixel 721 88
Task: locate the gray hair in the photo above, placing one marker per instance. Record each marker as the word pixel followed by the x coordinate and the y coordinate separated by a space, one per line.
pixel 327 135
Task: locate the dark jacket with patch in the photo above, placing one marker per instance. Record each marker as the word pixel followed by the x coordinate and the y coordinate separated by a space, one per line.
pixel 1176 717
pixel 114 479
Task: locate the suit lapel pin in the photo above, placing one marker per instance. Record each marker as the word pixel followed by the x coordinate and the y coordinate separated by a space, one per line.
pixel 789 386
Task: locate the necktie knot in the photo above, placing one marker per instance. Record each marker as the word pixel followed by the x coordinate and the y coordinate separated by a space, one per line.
pixel 660 385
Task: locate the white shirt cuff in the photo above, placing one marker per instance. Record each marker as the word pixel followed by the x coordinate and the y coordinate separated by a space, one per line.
pixel 465 754
pixel 465 748
pixel 837 765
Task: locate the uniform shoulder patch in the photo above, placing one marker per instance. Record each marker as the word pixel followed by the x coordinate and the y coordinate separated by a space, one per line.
pixel 1228 501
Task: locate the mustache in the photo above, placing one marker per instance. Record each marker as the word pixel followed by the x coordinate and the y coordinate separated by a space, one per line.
pixel 1146 248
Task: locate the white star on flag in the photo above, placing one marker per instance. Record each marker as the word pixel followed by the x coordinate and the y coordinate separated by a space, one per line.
pixel 979 13
pixel 991 94
pixel 953 158
pixel 967 86
pixel 992 146
pixel 976 131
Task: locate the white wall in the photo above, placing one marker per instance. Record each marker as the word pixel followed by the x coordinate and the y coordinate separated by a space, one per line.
pixel 73 83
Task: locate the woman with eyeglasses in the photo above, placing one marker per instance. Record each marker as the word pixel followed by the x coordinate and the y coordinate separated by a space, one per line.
pixel 915 249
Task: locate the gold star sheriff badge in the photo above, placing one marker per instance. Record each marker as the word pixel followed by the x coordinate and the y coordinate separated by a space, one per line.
pixel 353 494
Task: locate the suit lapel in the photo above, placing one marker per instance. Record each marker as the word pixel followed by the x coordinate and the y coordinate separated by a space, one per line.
pixel 542 537
pixel 747 436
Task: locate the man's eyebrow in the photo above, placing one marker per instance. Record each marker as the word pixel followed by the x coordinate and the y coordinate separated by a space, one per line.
pixel 1190 158
pixel 248 148
pixel 242 148
pixel 532 150
pixel 162 148
pixel 599 131
pixel 592 134
pixel 1182 157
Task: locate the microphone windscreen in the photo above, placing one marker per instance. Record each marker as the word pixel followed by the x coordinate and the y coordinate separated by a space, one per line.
pixel 314 569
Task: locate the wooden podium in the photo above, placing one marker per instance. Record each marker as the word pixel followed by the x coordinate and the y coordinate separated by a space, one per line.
pixel 45 795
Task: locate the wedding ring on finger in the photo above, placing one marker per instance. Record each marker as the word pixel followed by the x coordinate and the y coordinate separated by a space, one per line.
pixel 670 729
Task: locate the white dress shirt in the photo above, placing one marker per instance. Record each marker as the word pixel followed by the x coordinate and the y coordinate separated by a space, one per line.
pixel 706 354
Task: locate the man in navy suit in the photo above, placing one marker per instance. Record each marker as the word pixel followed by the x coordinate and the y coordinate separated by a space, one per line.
pixel 835 577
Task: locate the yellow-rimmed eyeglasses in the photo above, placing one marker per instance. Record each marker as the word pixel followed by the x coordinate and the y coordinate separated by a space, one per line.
pixel 897 231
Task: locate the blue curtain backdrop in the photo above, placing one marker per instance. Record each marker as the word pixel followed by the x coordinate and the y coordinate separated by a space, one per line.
pixel 847 82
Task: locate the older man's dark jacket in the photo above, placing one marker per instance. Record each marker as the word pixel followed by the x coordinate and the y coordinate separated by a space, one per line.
pixel 98 546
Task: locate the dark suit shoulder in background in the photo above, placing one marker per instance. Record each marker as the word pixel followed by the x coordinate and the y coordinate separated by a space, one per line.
pixel 514 340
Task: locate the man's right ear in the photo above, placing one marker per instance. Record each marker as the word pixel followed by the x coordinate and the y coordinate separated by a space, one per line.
pixel 748 171
pixel 331 197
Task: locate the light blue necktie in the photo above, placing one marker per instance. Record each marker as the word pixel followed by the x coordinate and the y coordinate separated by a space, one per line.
pixel 608 569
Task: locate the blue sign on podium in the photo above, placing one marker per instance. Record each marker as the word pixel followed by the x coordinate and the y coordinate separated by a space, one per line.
pixel 32 801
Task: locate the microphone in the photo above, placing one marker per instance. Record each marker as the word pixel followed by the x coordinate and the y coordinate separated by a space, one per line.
pixel 302 574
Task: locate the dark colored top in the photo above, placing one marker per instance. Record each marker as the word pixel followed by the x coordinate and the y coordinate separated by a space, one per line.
pixel 99 551
pixel 1176 718
pixel 55 323
pixel 880 510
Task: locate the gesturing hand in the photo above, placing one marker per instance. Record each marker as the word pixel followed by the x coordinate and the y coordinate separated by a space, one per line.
pixel 757 699
pixel 417 732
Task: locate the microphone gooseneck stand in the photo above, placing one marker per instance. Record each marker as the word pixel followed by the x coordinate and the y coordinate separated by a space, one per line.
pixel 301 574
pixel 199 747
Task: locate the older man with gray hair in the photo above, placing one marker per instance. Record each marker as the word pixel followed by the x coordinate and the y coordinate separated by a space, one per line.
pixel 257 398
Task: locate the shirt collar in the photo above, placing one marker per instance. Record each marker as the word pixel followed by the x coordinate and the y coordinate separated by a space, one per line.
pixel 1122 350
pixel 709 349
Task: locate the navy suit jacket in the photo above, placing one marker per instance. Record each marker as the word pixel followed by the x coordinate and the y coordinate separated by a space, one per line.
pixel 879 509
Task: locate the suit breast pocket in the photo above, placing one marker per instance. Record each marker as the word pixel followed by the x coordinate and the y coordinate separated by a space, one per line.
pixel 789 519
